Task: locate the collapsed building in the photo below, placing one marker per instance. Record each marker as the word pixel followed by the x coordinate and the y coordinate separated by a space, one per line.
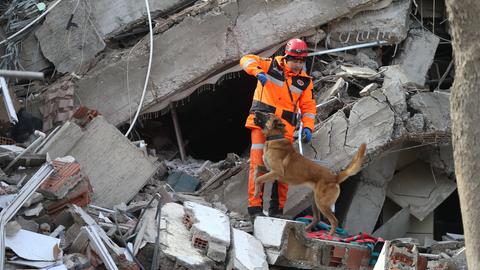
pixel 175 194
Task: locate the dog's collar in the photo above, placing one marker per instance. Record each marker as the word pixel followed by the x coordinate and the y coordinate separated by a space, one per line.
pixel 275 137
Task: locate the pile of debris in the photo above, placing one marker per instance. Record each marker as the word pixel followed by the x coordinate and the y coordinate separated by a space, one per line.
pixel 85 195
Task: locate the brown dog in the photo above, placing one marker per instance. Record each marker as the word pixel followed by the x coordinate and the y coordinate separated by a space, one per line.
pixel 286 165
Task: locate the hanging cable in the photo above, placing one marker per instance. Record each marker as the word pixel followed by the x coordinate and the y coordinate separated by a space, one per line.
pixel 132 124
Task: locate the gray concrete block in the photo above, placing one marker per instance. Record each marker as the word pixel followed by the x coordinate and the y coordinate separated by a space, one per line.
pixel 234 193
pixel 417 55
pixel 395 227
pixel 435 107
pixel 117 169
pixel 210 230
pixel 389 23
pixel 369 195
pixel 370 122
pixel 69 50
pixel 246 253
pixel 73 49
pixel 31 57
pixel 286 245
pixel 176 247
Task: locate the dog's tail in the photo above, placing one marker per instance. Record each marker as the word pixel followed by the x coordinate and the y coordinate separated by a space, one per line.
pixel 354 166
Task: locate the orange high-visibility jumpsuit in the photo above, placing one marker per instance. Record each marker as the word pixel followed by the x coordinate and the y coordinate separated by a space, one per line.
pixel 283 93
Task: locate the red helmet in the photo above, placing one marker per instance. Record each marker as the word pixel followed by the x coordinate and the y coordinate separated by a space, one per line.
pixel 296 47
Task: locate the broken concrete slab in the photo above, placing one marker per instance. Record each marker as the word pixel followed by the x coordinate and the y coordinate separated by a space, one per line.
pixel 299 198
pixel 435 107
pixel 286 244
pixel 328 142
pixel 416 123
pixel 396 227
pixel 234 192
pixel 440 157
pixel 246 253
pixel 210 230
pixel 369 195
pixel 417 55
pixel 82 38
pixel 112 17
pixel 388 23
pixel 394 74
pixel 421 230
pixel 100 145
pixel 103 89
pixel 368 89
pixel 370 121
pixel 177 247
pixel 74 49
pixel 361 72
pixel 332 91
pixel 366 57
pixel 420 189
pixel 397 98
pixel 31 57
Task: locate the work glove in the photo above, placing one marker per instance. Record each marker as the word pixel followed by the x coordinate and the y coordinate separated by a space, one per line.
pixel 306 135
pixel 262 78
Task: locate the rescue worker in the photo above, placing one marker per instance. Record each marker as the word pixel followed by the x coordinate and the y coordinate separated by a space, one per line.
pixel 283 87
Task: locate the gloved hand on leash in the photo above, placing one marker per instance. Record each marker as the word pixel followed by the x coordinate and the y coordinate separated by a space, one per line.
pixel 306 135
pixel 262 78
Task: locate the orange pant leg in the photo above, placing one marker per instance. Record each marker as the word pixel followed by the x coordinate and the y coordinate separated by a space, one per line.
pixel 256 158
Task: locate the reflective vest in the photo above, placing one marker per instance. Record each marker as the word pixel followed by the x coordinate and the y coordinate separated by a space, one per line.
pixel 283 93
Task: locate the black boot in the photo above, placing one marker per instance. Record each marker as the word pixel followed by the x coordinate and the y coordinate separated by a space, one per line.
pixel 275 212
pixel 255 211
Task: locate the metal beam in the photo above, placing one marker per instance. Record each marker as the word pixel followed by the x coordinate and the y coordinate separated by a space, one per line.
pixel 352 47
pixel 31 75
pixel 100 247
pixel 7 100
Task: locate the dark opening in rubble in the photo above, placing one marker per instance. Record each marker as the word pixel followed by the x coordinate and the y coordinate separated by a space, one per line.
pixel 212 120
pixel 447 217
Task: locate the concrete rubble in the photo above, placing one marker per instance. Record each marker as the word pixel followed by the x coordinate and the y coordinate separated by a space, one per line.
pixel 139 201
pixel 232 21
pixel 91 146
